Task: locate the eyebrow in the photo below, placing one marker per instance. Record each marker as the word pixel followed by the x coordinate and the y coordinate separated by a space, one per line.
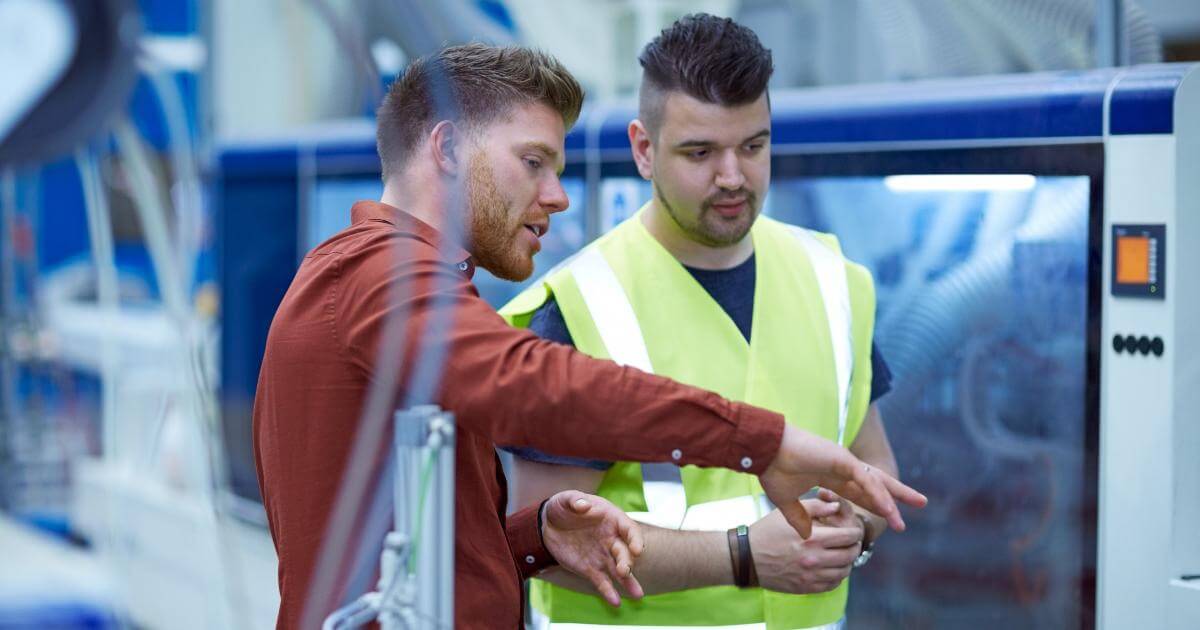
pixel 695 144
pixel 550 152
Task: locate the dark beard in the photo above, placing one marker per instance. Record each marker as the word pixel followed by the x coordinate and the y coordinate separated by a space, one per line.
pixel 697 231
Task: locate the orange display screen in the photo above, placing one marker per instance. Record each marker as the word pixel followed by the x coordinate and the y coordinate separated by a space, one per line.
pixel 1133 259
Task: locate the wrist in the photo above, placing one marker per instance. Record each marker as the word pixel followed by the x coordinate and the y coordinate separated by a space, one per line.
pixel 741 557
pixel 868 542
pixel 541 522
pixel 872 526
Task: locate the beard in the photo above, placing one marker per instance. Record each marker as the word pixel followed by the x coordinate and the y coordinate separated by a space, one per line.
pixel 708 227
pixel 494 229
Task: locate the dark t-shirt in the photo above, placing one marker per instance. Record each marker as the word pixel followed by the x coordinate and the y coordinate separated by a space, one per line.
pixel 733 290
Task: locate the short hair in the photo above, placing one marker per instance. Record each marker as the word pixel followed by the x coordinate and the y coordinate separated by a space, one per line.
pixel 473 85
pixel 711 59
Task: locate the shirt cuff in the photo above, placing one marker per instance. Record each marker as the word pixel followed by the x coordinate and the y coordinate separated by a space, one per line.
pixel 525 542
pixel 756 439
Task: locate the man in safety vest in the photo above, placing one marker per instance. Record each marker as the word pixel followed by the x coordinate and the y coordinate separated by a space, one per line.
pixel 698 287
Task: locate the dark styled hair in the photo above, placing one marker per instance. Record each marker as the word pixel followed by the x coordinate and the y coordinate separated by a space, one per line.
pixel 472 84
pixel 711 59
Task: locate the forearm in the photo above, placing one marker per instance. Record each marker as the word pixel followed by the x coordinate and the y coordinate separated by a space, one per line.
pixel 674 560
pixel 596 409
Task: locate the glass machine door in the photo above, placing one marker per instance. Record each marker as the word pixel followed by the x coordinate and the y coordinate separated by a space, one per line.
pixel 983 286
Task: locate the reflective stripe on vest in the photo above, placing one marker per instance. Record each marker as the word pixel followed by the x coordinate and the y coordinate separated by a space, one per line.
pixel 617 325
pixel 830 270
pixel 668 509
pixel 540 622
pixel 611 310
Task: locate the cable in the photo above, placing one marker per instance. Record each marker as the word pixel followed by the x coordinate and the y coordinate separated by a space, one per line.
pixel 8 400
pixel 418 525
pixel 373 422
pixel 95 204
pixel 359 612
pixel 197 399
pixel 99 221
pixel 354 45
pixel 185 190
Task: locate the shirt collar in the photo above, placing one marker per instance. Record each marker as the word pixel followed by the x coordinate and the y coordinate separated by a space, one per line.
pixel 452 253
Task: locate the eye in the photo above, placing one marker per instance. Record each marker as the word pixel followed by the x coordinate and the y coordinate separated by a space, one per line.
pixel 754 147
pixel 533 163
pixel 698 154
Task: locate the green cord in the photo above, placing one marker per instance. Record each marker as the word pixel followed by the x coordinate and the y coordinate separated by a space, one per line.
pixel 426 473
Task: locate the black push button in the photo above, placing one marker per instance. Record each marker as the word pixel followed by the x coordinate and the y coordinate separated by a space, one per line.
pixel 1156 346
pixel 1130 344
pixel 1118 343
pixel 1143 345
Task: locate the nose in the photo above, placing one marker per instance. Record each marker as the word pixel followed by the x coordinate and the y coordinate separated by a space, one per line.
pixel 554 197
pixel 729 172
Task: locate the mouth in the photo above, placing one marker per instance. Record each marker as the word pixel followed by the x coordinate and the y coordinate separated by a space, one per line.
pixel 730 208
pixel 538 229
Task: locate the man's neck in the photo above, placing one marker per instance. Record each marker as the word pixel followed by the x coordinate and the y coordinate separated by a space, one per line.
pixel 688 252
pixel 423 200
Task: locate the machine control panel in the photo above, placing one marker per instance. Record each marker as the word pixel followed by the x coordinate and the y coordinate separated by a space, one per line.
pixel 1138 261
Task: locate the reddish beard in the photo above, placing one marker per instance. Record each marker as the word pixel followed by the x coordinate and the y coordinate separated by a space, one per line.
pixel 494 228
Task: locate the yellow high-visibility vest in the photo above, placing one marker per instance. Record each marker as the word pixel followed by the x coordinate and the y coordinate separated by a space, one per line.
pixel 625 298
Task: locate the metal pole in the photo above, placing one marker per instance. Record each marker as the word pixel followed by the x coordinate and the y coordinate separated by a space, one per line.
pixel 1111 37
pixel 435 549
pixel 445 529
pixel 423 514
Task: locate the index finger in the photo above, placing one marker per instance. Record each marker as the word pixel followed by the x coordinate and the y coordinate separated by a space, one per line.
pixel 882 490
pixel 904 493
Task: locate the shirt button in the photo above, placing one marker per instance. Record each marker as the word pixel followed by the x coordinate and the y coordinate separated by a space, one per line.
pixel 462 266
pixel 676 454
pixel 747 462
pixel 530 559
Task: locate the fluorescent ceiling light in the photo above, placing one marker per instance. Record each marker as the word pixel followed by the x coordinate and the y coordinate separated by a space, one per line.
pixel 941 183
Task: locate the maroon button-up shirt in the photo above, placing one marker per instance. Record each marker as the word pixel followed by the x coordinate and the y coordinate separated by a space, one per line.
pixel 505 386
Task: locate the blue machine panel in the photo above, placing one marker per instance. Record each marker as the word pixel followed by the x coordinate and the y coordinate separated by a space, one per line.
pixel 1031 107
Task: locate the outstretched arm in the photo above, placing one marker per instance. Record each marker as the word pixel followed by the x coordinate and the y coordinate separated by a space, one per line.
pixel 555 399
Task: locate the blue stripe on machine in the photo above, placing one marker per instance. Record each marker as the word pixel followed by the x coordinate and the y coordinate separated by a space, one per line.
pixel 1143 101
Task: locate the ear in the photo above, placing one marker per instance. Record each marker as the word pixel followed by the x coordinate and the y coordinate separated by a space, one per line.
pixel 446 142
pixel 643 148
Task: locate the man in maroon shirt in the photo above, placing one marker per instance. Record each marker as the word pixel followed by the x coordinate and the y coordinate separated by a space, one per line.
pixel 392 293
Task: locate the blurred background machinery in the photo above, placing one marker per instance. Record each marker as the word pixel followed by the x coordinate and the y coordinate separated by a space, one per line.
pixel 158 192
